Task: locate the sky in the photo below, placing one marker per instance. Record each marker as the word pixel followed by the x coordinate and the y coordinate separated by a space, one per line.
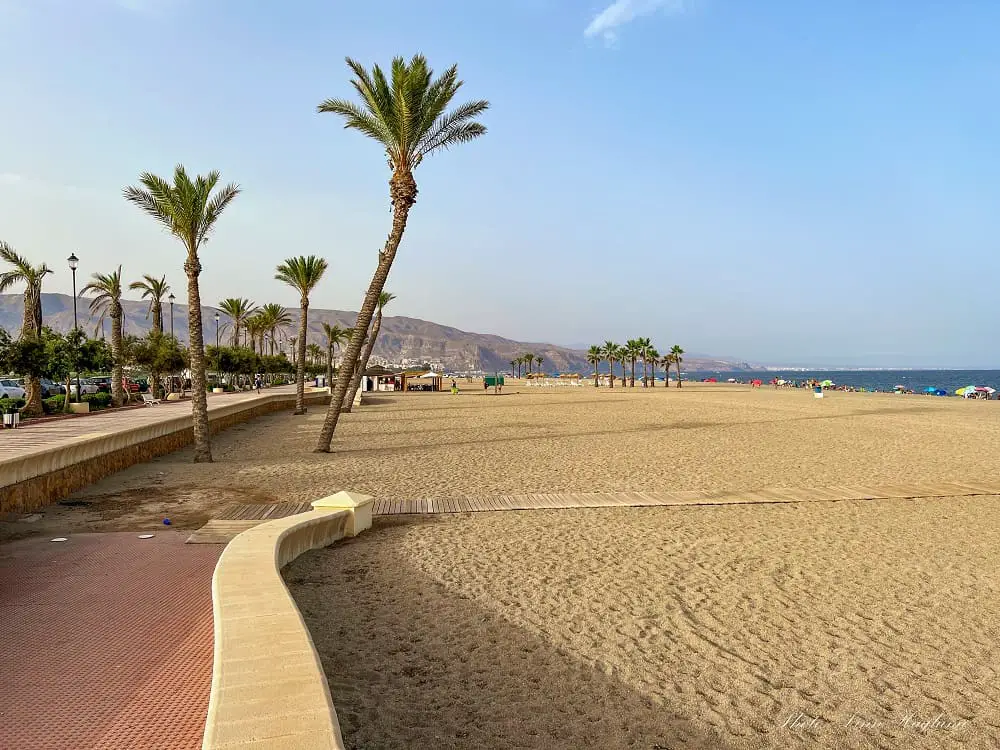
pixel 777 181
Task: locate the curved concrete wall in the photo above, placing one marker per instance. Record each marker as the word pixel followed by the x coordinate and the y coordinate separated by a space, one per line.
pixel 268 686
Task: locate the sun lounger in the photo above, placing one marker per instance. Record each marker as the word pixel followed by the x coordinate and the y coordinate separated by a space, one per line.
pixel 148 399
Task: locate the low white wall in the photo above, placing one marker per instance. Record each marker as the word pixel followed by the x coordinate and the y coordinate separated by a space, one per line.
pixel 268 685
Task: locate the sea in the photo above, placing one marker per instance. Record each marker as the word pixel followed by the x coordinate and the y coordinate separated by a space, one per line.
pixel 871 380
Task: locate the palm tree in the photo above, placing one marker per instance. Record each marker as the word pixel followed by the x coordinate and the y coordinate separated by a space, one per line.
pixel 335 336
pixel 31 321
pixel 633 349
pixel 667 361
pixel 611 354
pixel 315 354
pixel 188 210
pixel 642 346
pixel 651 356
pixel 302 274
pixel 107 302
pixel 538 362
pixel 255 327
pixel 274 317
pixel 513 364
pixel 383 299
pixel 595 356
pixel 676 353
pixel 155 289
pixel 408 117
pixel 239 310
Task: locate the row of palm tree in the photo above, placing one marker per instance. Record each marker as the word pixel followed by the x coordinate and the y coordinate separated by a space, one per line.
pixel 526 361
pixel 406 112
pixel 634 351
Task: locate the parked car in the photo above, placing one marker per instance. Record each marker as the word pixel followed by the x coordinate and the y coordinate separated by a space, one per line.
pixel 103 383
pixel 86 385
pixel 10 389
pixel 50 388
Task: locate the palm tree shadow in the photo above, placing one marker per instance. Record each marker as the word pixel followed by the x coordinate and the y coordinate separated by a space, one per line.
pixel 413 665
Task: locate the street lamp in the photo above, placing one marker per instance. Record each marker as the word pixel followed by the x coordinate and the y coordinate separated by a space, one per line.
pixel 171 298
pixel 73 263
pixel 216 330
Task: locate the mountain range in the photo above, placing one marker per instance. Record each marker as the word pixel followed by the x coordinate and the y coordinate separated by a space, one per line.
pixel 402 340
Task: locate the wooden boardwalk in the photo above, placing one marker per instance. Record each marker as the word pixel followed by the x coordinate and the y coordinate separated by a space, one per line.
pixel 481 503
pixel 238 518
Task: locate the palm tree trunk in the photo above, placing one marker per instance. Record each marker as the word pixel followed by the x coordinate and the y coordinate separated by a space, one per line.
pixel 117 363
pixel 199 396
pixel 157 317
pixel 633 373
pixel 329 366
pixel 596 374
pixel 66 401
pixel 31 328
pixel 403 190
pixel 611 372
pixel 364 362
pixel 300 359
pixel 678 372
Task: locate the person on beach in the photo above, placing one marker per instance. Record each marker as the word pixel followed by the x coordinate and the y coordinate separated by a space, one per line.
pixel 256 382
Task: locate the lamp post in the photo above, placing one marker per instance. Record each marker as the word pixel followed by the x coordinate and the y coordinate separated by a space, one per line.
pixel 73 263
pixel 216 330
pixel 171 298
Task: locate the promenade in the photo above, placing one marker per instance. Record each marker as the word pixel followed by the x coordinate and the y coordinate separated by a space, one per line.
pixel 41 463
pixel 107 642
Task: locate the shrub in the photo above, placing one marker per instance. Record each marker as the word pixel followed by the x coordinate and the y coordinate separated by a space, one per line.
pixel 53 404
pixel 6 404
pixel 97 400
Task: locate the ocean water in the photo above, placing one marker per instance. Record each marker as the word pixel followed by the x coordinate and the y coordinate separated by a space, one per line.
pixel 871 380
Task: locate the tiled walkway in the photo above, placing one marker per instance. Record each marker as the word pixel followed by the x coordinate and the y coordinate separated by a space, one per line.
pixel 106 642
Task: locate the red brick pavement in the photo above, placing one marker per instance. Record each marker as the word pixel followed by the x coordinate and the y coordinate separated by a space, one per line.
pixel 105 642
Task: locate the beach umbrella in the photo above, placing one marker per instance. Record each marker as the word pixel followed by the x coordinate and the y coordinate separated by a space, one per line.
pixel 940 392
pixel 966 389
pixel 929 389
pixel 985 389
pixel 899 387
pixel 827 384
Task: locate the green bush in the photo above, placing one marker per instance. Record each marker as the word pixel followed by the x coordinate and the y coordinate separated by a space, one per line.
pixel 97 400
pixel 6 404
pixel 53 404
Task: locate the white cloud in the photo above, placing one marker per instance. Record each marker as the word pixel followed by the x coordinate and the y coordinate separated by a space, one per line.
pixel 606 23
pixel 9 178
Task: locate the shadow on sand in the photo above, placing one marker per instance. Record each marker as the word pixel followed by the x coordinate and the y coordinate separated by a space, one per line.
pixel 413 665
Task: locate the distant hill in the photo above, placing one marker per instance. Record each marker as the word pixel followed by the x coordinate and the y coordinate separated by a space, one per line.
pixel 402 340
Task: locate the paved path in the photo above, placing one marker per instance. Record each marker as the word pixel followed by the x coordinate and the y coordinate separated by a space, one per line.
pixel 107 642
pixel 472 504
pixel 64 432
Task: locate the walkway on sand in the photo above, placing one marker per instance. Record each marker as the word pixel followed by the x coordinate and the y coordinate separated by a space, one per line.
pixel 107 642
pixel 472 504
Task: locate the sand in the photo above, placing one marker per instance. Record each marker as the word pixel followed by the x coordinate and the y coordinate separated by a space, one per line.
pixel 527 440
pixel 832 625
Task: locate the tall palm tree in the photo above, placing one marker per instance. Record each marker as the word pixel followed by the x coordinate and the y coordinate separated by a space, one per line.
pixel 154 289
pixel 383 299
pixel 335 336
pixel 274 317
pixel 107 303
pixel 407 114
pixel 315 353
pixel 255 327
pixel 513 364
pixel 302 274
pixel 239 310
pixel 538 363
pixel 189 210
pixel 651 356
pixel 677 353
pixel 633 350
pixel 642 345
pixel 31 321
pixel 611 354
pixel 595 356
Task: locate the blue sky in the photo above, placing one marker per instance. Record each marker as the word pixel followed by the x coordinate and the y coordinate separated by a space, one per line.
pixel 779 181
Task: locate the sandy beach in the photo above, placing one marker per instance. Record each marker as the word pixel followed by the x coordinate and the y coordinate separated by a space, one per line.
pixel 839 625
pixel 852 624
pixel 699 437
